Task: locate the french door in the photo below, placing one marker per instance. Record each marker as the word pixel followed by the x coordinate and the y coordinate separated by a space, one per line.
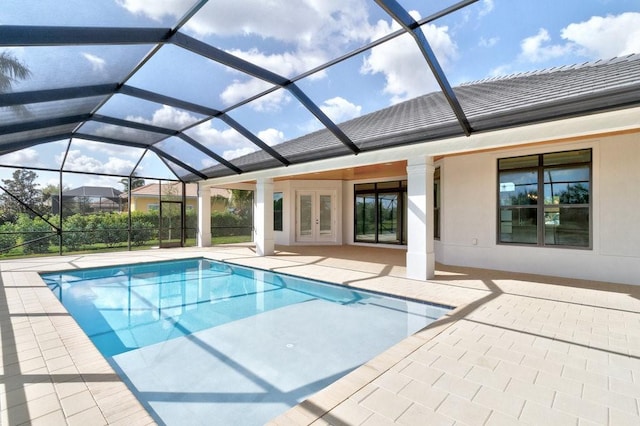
pixel 315 216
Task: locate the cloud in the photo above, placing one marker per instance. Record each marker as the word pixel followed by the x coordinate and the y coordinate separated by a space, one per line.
pixel 228 143
pixel 488 42
pixel 605 37
pixel 155 9
pixel 97 63
pixel 597 38
pixel 24 156
pixel 271 136
pixel 403 66
pixel 235 153
pixel 486 7
pixel 77 161
pixel 240 90
pixel 106 148
pixel 167 117
pixel 536 48
pixel 339 109
pixel 301 35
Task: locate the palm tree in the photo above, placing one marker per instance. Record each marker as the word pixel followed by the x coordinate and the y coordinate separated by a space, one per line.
pixel 136 182
pixel 11 70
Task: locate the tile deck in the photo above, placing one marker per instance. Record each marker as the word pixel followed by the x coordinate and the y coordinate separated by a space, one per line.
pixel 518 349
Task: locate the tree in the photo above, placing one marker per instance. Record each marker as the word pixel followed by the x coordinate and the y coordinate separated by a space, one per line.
pixel 242 202
pixel 22 187
pixel 12 70
pixel 136 182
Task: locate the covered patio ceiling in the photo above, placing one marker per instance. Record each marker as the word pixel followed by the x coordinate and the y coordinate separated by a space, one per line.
pixel 166 94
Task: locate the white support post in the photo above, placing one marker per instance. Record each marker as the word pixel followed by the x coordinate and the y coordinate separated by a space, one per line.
pixel 263 218
pixel 204 216
pixel 420 247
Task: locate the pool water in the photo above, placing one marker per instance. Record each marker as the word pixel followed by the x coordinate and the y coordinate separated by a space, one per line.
pixel 222 344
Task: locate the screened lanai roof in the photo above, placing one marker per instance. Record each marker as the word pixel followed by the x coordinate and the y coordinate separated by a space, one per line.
pixel 201 89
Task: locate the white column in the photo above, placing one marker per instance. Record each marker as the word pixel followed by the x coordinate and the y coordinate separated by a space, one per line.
pixel 420 253
pixel 204 216
pixel 263 218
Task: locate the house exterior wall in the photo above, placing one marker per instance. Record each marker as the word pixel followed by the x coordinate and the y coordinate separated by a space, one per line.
pixel 469 211
pixel 141 203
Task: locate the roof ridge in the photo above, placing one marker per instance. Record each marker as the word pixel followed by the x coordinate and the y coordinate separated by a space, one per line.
pixel 596 62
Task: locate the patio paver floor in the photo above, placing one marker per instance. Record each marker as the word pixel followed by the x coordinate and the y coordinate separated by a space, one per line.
pixel 519 349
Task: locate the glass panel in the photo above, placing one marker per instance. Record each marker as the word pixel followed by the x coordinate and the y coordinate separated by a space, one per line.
pixel 566 185
pixel 18 140
pixel 567 157
pixel 226 141
pixel 365 187
pixel 44 110
pixel 388 185
pixel 122 13
pixel 518 225
pixel 152 166
pixel 123 133
pixel 436 202
pixel 335 93
pixel 306 215
pixel 277 211
pixel 74 66
pixel 142 111
pixel 566 226
pixel 96 157
pixel 326 215
pixel 365 217
pixel 405 203
pixel 518 188
pixel 518 162
pixel 46 156
pixel 267 113
pixel 188 154
pixel 291 37
pixel 388 230
pixel 181 74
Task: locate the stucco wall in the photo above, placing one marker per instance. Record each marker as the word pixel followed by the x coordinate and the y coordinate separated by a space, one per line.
pixel 469 215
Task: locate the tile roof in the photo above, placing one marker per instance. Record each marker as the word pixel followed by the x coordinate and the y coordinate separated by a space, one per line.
pixel 491 104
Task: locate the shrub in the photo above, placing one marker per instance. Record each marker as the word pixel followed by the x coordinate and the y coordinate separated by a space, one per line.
pixel 111 229
pixel 34 232
pixel 74 235
pixel 8 237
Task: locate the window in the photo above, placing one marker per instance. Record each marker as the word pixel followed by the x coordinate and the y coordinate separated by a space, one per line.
pixel 153 207
pixel 436 203
pixel 277 211
pixel 380 215
pixel 545 199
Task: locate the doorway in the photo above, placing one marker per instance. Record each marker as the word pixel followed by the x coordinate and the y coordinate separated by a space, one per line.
pixel 316 216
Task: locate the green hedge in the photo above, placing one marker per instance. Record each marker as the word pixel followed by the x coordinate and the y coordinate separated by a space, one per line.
pixel 105 230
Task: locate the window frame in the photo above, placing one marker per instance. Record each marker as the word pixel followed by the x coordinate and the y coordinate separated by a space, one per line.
pixel 377 189
pixel 278 213
pixel 540 205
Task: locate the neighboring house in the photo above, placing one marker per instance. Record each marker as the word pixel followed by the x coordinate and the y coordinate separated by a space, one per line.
pixel 88 199
pixel 147 197
pixel 546 183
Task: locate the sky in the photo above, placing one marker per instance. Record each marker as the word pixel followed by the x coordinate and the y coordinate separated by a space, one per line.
pixel 489 39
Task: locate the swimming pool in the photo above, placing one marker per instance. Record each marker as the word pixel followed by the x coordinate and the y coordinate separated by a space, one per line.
pixel 222 344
